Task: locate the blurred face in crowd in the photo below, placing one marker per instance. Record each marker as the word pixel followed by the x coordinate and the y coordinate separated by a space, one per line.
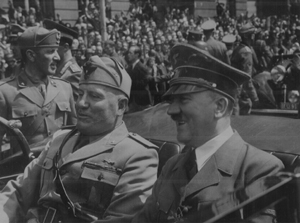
pixel 80 40
pixel 46 60
pixel 128 39
pixel 98 38
pixel 119 44
pixel 11 62
pixel 108 49
pixel 75 44
pixel 99 51
pixel 110 28
pixel 1 54
pixel 131 55
pixel 125 46
pixel 93 48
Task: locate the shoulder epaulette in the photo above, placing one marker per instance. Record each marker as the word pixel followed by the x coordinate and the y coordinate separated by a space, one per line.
pixel 59 79
pixel 75 68
pixel 141 140
pixel 63 70
pixel 6 80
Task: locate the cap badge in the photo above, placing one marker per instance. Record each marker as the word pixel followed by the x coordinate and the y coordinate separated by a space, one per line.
pixel 58 35
pixel 88 70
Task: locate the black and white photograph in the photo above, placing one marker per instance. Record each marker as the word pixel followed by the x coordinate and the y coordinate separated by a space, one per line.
pixel 149 111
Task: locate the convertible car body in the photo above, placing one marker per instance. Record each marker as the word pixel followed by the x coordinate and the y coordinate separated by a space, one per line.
pixel 277 134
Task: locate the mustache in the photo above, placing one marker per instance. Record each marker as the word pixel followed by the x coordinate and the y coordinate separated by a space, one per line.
pixel 80 111
pixel 176 117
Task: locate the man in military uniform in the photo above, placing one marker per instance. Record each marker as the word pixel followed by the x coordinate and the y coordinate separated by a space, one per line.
pixel 216 160
pixel 41 102
pixel 98 171
pixel 244 58
pixel 229 41
pixel 15 31
pixel 215 47
pixel 67 67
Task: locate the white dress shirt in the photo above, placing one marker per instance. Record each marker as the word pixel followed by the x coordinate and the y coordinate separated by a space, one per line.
pixel 204 152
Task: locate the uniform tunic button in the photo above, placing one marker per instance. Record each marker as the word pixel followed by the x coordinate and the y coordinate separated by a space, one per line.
pixel 49 132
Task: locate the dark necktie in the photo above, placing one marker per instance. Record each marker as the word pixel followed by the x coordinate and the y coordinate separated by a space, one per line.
pixel 191 166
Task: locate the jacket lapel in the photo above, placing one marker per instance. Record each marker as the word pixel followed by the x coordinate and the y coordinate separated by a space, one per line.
pixel 97 147
pixel 207 176
pixel 52 91
pixel 224 160
pixel 29 90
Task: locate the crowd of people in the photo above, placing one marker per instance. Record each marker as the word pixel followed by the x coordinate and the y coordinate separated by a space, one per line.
pixel 153 35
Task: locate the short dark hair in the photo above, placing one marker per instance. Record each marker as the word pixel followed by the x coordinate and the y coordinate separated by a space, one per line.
pixel 64 40
pixel 137 50
pixel 110 43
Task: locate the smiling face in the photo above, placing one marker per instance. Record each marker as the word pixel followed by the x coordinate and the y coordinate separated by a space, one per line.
pixel 97 108
pixel 46 60
pixel 194 117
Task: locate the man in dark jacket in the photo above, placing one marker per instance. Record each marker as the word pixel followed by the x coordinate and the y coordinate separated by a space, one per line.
pixel 141 95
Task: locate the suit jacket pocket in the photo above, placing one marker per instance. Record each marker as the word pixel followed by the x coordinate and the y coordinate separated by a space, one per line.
pixel 23 112
pixel 98 182
pixel 63 106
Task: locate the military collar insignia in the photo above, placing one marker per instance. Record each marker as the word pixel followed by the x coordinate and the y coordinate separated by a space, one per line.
pixel 22 81
pixel 58 35
pixel 53 83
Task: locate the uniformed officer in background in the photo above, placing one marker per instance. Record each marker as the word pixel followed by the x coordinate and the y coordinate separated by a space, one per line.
pixel 98 171
pixel 229 41
pixel 215 47
pixel 41 102
pixel 67 67
pixel 244 58
pixel 15 31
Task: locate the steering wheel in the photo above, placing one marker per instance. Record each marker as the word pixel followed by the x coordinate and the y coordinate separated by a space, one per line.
pixel 14 159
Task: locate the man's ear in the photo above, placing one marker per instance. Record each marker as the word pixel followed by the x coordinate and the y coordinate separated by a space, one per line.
pixel 221 107
pixel 66 47
pixel 31 55
pixel 122 105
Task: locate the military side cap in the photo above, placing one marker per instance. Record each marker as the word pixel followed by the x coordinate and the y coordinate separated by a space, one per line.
pixel 209 25
pixel 9 57
pixel 194 35
pixel 229 39
pixel 65 31
pixel 39 37
pixel 108 72
pixel 247 28
pixel 15 31
pixel 196 69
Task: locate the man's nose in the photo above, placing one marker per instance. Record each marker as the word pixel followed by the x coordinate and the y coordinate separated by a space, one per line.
pixel 173 108
pixel 56 56
pixel 82 101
